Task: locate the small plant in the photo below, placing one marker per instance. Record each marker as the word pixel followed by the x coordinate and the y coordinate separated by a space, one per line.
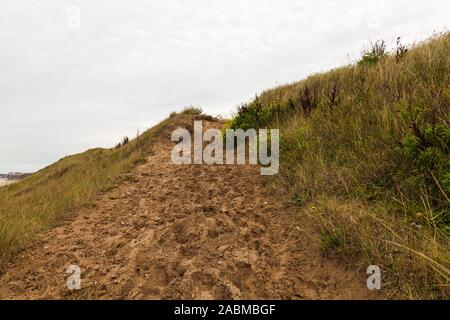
pixel 252 115
pixel 331 241
pixel 401 50
pixel 446 181
pixel 258 110
pixel 426 149
pixel 124 141
pixel 375 54
pixel 192 110
pixel 307 100
pixel 332 99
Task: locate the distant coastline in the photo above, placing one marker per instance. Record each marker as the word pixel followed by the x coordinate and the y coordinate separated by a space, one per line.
pixel 4 182
pixel 12 177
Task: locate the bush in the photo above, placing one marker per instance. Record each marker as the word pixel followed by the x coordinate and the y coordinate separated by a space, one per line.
pixel 375 54
pixel 191 110
pixel 124 141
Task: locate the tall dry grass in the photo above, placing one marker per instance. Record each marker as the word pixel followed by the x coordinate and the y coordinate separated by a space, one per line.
pixel 367 145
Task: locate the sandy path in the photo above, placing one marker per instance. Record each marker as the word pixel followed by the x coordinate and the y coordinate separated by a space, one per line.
pixel 182 232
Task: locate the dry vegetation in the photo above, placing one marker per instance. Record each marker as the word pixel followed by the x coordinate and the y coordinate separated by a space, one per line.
pixel 365 153
pixel 41 200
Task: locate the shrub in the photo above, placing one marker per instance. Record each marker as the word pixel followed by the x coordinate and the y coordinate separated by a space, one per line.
pixel 124 141
pixel 192 110
pixel 400 51
pixel 375 54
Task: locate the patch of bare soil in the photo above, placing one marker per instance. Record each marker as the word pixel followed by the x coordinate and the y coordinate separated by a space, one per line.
pixel 183 232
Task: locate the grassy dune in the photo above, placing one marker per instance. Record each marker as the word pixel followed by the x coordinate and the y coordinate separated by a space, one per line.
pixel 365 154
pixel 34 204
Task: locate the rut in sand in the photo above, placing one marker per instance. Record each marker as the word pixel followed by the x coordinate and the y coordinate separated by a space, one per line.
pixel 183 232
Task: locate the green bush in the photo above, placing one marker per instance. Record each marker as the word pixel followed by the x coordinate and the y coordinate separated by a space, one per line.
pixel 375 54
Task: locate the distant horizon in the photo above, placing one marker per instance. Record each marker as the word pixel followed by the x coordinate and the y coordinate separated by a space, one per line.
pixel 13 172
pixel 79 79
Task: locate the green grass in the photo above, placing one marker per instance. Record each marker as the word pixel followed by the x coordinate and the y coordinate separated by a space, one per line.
pixel 34 204
pixel 375 135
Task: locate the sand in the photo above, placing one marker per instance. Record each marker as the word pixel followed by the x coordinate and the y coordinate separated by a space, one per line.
pixel 183 232
pixel 4 182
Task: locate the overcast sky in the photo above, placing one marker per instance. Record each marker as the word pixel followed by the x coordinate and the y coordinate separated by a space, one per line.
pixel 81 74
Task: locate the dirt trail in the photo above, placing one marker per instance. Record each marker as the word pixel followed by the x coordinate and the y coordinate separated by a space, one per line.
pixel 182 232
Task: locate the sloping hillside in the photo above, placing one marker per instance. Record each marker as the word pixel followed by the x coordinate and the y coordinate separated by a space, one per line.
pixel 365 150
pixel 44 198
pixel 364 180
pixel 183 232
